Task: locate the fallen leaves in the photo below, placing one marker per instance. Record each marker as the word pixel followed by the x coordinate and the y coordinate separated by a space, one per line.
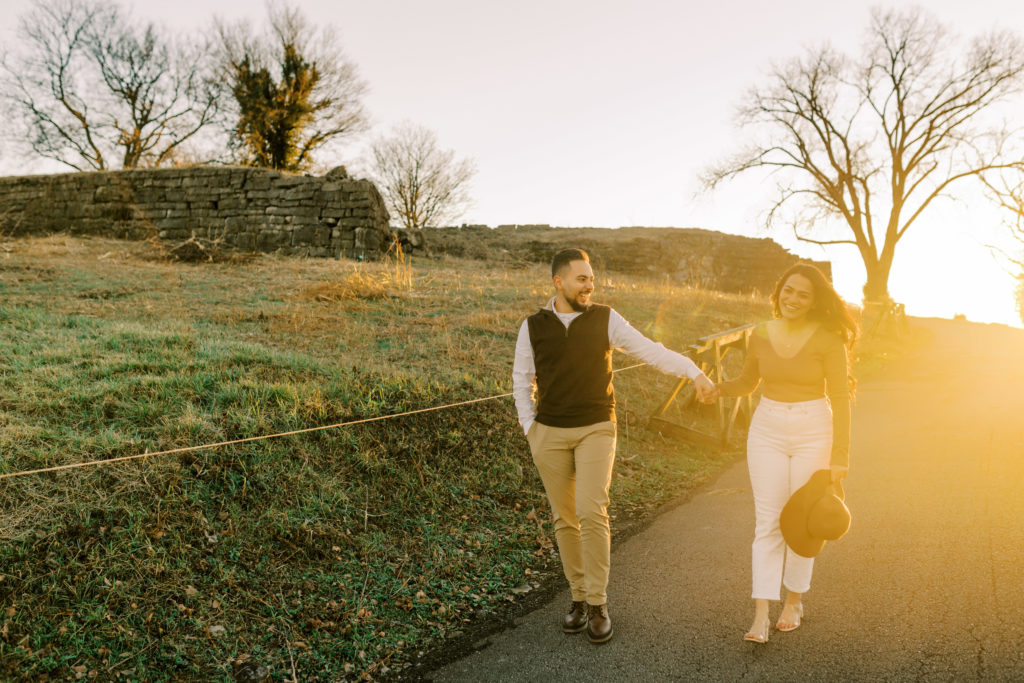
pixel 544 544
pixel 81 671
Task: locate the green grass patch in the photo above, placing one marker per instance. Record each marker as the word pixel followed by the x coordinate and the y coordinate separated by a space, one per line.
pixel 332 554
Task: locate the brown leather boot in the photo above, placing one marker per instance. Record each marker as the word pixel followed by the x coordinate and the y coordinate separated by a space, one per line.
pixel 576 620
pixel 599 624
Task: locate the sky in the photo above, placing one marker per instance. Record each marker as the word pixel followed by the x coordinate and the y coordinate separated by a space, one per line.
pixel 596 113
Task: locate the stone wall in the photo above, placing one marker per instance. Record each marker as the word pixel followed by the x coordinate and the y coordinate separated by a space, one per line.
pixel 247 208
pixel 260 210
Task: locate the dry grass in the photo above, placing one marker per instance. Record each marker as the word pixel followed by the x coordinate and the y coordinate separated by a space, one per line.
pixel 391 277
pixel 357 284
pixel 108 353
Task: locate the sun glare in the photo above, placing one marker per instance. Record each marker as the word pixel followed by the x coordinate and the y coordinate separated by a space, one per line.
pixel 973 285
pixel 946 270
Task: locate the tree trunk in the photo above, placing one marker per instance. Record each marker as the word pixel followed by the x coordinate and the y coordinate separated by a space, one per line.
pixel 876 289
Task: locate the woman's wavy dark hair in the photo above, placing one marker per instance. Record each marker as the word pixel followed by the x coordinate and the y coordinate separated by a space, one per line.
pixel 828 308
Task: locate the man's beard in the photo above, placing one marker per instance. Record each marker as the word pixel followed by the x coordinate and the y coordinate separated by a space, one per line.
pixel 577 306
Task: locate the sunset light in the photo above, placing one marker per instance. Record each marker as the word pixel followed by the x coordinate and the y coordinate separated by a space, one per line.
pixel 551 340
pixel 579 136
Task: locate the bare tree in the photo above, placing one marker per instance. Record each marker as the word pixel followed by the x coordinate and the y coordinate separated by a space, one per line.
pixel 292 88
pixel 159 93
pixel 45 84
pixel 1007 190
pixel 1008 193
pixel 91 89
pixel 422 184
pixel 874 143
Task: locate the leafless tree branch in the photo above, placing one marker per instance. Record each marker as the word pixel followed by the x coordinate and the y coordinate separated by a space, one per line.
pixel 309 112
pixel 422 184
pixel 90 86
pixel 871 143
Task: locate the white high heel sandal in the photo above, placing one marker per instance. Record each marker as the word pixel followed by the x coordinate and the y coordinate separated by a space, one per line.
pixel 795 624
pixel 759 633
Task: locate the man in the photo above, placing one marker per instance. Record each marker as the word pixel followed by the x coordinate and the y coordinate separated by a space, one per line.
pixel 566 348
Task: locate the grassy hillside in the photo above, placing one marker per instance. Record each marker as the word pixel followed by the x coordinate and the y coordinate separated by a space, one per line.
pixel 331 555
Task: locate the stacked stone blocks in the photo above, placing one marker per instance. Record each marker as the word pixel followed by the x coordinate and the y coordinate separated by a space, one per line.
pixel 248 209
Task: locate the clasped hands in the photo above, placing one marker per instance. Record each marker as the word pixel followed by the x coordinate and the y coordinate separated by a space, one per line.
pixel 707 391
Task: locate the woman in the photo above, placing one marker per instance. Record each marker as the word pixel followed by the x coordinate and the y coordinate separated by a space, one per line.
pixel 801 425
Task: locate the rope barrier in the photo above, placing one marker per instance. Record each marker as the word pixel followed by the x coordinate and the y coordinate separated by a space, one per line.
pixel 307 430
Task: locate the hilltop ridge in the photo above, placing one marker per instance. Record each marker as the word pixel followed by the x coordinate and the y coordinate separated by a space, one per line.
pixel 691 256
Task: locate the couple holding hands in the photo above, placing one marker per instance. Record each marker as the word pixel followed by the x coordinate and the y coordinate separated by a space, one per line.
pixel 798 440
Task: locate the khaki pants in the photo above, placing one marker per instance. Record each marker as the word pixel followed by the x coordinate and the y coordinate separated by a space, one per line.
pixel 575 465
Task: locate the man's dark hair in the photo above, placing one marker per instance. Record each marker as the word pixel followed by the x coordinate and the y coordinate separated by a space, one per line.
pixel 565 257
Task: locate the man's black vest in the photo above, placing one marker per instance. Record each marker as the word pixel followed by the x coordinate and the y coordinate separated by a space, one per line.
pixel 574 368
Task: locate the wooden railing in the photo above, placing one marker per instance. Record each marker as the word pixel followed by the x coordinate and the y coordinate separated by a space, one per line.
pixel 709 353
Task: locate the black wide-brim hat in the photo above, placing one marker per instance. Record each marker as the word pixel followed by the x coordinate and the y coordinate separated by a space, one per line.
pixel 814 514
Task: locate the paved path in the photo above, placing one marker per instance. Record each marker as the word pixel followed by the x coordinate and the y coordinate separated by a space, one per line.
pixel 927 585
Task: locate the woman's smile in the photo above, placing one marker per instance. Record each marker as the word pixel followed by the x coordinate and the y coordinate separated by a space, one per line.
pixel 796 297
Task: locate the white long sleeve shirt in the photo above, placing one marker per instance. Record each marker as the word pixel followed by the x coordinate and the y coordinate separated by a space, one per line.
pixel 621 335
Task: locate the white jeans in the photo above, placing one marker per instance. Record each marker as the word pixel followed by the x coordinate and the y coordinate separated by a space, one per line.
pixel 786 444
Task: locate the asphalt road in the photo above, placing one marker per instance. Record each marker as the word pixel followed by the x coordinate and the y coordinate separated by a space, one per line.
pixel 927 585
